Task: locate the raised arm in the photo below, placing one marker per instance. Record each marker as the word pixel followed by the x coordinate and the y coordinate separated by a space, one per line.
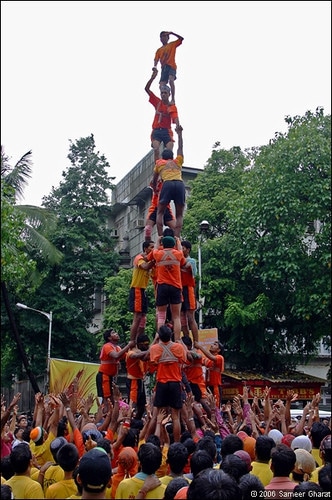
pixel 180 140
pixel 148 84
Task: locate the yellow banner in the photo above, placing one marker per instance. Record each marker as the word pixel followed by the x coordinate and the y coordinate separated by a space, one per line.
pixel 64 372
pixel 208 336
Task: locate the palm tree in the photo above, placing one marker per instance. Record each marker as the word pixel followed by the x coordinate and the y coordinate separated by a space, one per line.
pixel 36 220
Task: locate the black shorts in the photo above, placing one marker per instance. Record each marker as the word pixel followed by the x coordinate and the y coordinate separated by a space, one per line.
pixel 168 294
pixel 168 216
pixel 168 394
pixel 165 72
pixel 138 300
pixel 196 391
pixel 161 135
pixel 173 190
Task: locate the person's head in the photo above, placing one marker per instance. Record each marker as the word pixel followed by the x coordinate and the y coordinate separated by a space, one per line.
pixel 154 439
pixel 301 442
pixel 147 246
pixel 6 492
pixel 287 439
pixel 143 342
pixel 106 444
pixel 168 242
pixel 165 92
pixel 167 154
pixel 199 461
pixel 305 464
pixel 282 460
pixel 67 457
pixel 55 446
pixel 325 449
pixel 150 458
pixel 168 231
pixel 244 455
pixel 276 435
pixel 94 470
pixel 18 433
pixel 173 487
pixel 164 37
pixel 324 477
pixel 213 484
pixel 165 333
pixel 317 432
pixel 234 466
pixel 7 470
pixel 263 447
pixel 38 435
pixel 20 458
pixel 22 421
pixel 190 444
pixel 216 348
pixel 306 490
pixel 229 444
pixel 111 335
pixel 248 484
pixel 186 247
pixel 62 426
pixel 208 444
pixel 177 456
pixel 128 461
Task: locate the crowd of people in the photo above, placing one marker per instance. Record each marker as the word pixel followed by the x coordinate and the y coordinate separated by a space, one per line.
pixel 182 440
pixel 123 451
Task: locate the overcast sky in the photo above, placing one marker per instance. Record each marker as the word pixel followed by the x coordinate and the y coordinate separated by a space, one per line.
pixel 69 69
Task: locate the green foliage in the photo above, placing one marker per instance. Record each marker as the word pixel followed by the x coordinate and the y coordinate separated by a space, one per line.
pixel 266 257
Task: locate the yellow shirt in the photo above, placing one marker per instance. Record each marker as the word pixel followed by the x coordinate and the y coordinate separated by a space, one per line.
pixel 25 487
pixel 128 488
pixel 62 489
pixel 262 471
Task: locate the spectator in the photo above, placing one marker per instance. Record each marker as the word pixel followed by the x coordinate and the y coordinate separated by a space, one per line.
pixel 307 490
pixel 234 466
pixel 176 459
pixel 21 483
pixel 67 457
pixel 325 454
pixel 282 464
pixel 127 467
pixel 229 444
pixel 304 466
pixel 244 455
pixel 249 484
pixel 94 473
pixel 301 442
pixel 213 484
pixel 317 433
pixel 6 492
pixel 138 486
pixel 324 477
pixel 51 472
pixel 261 465
pixel 174 486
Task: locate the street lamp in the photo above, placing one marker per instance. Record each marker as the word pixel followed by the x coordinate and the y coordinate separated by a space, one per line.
pixel 203 227
pixel 49 317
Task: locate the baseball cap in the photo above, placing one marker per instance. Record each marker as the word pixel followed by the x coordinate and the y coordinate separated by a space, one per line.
pixel 95 469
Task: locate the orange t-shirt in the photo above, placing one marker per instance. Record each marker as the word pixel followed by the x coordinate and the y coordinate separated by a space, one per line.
pixel 215 369
pixel 168 264
pixel 166 53
pixel 168 371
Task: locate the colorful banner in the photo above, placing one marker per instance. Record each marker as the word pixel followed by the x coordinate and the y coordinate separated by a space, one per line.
pixel 64 372
pixel 207 336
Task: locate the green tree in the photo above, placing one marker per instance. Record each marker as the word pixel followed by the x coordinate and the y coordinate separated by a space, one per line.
pixel 82 207
pixel 266 277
